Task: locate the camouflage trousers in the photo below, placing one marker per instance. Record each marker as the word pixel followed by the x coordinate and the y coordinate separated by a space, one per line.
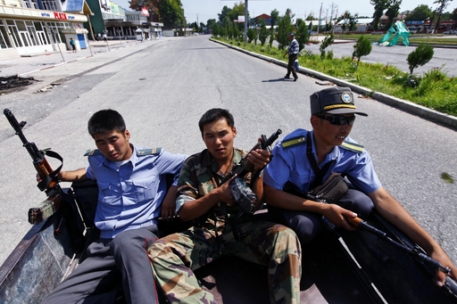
pixel 175 256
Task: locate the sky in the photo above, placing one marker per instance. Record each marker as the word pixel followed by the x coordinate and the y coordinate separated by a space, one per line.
pixel 202 10
pixel 208 9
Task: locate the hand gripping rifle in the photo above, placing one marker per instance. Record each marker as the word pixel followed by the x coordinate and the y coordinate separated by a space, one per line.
pixel 244 167
pixel 57 198
pixel 363 225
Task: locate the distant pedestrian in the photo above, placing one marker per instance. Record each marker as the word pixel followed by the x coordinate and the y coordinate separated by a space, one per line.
pixel 73 45
pixel 292 50
pixel 105 37
pixel 99 37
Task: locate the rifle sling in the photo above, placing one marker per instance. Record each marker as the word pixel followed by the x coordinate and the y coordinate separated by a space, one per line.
pixel 46 180
pixel 320 173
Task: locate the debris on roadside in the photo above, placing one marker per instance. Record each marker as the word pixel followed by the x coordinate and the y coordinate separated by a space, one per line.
pixel 47 88
pixel 325 83
pixel 14 82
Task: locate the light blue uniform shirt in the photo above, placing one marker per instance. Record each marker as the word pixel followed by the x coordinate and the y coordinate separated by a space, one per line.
pixel 291 164
pixel 131 192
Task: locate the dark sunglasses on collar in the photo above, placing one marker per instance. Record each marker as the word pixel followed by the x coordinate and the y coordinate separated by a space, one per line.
pixel 339 120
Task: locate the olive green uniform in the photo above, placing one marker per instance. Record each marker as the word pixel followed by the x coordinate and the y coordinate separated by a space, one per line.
pixel 175 257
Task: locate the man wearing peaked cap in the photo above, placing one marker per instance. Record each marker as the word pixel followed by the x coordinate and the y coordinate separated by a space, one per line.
pixel 334 101
pixel 307 158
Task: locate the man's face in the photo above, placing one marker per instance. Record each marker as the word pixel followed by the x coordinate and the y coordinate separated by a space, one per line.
pixel 330 134
pixel 218 137
pixel 114 145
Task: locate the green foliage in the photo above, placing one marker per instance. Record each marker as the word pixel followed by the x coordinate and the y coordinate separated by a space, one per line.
pixel 216 30
pixel 263 34
pixel 252 35
pixel 302 34
pixel 172 13
pixel 274 15
pixel 392 12
pixel 328 40
pixel 284 28
pixel 361 48
pixel 421 12
pixel 419 57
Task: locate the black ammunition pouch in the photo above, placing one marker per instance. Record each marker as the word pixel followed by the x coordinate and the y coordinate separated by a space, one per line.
pixel 330 191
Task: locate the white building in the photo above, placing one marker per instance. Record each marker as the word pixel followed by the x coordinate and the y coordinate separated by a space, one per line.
pixel 30 27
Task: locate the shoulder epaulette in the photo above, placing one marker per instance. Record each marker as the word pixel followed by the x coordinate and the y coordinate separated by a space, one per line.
pixel 144 152
pixel 93 152
pixel 294 141
pixel 352 147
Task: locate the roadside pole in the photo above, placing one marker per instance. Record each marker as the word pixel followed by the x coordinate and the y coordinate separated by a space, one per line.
pixel 58 44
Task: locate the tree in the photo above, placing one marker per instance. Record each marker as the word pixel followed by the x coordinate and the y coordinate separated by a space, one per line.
pixel 328 40
pixel 361 48
pixel 302 33
pixel 442 4
pixel 284 28
pixel 172 13
pixel 263 34
pixel 419 57
pixel 392 12
pixel 210 24
pixel 225 15
pixel 379 7
pixel 151 5
pixel 274 17
pixel 252 35
pixel 216 30
pixel 420 13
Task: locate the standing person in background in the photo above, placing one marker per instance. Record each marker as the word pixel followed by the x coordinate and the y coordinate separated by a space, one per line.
pixel 292 50
pixel 73 45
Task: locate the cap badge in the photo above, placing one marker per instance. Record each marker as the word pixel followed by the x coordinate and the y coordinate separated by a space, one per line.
pixel 346 97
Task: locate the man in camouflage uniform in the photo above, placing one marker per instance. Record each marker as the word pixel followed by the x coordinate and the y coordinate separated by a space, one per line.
pixel 225 229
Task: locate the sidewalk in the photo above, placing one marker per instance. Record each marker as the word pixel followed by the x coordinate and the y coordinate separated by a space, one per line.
pixel 26 65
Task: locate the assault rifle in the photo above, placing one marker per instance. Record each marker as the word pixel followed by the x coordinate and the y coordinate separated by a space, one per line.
pixel 363 225
pixel 244 166
pixel 57 199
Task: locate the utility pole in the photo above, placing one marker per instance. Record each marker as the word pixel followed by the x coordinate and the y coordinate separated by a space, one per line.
pixel 319 22
pixel 246 21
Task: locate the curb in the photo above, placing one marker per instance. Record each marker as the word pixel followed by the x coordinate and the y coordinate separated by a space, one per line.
pixel 445 120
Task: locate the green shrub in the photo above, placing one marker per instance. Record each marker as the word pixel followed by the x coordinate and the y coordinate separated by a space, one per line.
pixel 419 57
pixel 361 48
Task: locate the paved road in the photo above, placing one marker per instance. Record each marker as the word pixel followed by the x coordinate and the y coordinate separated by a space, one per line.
pixel 163 87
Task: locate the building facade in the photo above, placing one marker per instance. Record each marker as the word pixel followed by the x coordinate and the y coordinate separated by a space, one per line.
pixel 31 27
pixel 119 23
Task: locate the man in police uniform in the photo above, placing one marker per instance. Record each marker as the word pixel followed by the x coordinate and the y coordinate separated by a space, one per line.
pixel 132 188
pixel 331 149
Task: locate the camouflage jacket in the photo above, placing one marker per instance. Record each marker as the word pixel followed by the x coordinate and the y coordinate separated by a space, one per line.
pixel 200 174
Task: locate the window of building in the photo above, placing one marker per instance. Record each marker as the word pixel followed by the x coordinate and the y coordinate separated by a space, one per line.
pixel 49 5
pixel 30 4
pixel 4 42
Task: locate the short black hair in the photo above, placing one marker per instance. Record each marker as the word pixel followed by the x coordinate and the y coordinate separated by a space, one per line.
pixel 105 121
pixel 215 114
